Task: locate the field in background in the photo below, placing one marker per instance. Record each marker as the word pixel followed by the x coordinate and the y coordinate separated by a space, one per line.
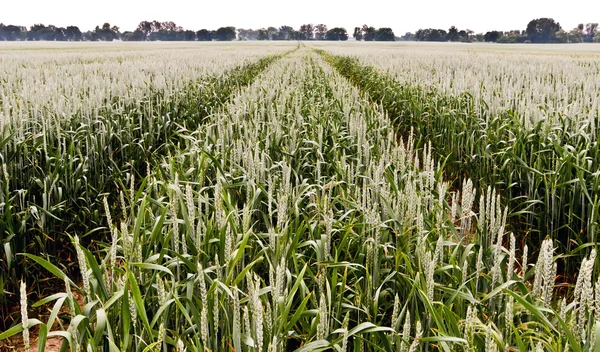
pixel 520 118
pixel 311 196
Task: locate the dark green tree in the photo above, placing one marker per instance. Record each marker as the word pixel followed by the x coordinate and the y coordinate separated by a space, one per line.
pixel 431 35
pixel 306 32
pixel 12 32
pixel 273 33
pixel 562 37
pixel 513 36
pixel 591 30
pixel 225 34
pixel 204 35
pixel 320 32
pixel 88 36
pixel 248 34
pixel 166 35
pixel 147 28
pixel 59 34
pixel 252 34
pixel 385 34
pixel 408 36
pixel 242 34
pixel 127 36
pixel 576 35
pixel 542 30
pixel 166 31
pixel 337 33
pixel 106 33
pixel 368 33
pixel 452 34
pixel 73 34
pixel 358 35
pixel 278 36
pixel 189 36
pixel 286 33
pixel 492 36
pixel 41 32
pixel 136 35
pixel 263 34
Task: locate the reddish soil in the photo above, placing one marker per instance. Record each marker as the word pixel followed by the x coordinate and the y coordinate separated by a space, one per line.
pixel 53 344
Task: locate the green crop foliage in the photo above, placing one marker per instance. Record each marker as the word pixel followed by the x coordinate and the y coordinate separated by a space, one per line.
pixel 300 213
pixel 547 172
pixel 54 179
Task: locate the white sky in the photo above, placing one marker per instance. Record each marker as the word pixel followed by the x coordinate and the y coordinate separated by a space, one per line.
pixel 401 16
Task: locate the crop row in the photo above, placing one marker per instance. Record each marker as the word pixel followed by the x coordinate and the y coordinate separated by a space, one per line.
pixel 547 173
pixel 53 179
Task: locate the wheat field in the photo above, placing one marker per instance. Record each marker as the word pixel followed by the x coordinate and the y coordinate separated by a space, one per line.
pixel 299 196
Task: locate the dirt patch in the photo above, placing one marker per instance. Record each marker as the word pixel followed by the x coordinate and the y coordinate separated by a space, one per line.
pixel 53 344
pixel 16 344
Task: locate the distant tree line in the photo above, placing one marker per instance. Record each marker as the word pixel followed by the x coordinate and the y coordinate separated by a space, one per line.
pixel 540 30
pixel 169 31
pixel 368 34
pixel 546 30
pixel 145 31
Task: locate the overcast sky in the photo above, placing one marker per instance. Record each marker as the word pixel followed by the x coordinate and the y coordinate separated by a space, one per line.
pixel 401 16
